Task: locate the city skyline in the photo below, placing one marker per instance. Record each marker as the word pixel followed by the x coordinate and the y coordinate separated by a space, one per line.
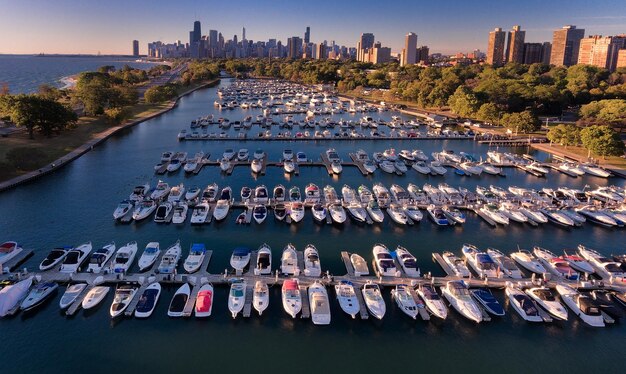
pixel 446 28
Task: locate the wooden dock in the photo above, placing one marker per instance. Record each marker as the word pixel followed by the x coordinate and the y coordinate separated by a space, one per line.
pixel 422 312
pixel 247 305
pixel 130 310
pixel 446 268
pixel 326 163
pixel 16 261
pixel 363 313
pixel 345 257
pixel 359 164
pixel 484 217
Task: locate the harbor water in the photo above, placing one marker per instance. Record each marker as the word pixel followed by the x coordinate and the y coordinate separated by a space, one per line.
pixel 74 205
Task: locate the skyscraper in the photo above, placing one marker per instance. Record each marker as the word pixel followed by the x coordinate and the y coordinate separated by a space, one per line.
pixel 365 42
pixel 495 49
pixel 515 45
pixel 601 51
pixel 243 34
pixel 135 47
pixel 307 35
pixel 532 53
pixel 294 47
pixel 546 51
pixel 410 49
pixel 196 34
pixel 321 52
pixel 565 45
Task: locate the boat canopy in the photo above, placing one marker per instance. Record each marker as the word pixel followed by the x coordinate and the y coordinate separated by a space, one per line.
pixel 198 248
pixel 241 251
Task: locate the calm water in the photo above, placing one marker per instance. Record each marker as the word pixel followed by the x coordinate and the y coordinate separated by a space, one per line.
pixel 75 205
pixel 24 73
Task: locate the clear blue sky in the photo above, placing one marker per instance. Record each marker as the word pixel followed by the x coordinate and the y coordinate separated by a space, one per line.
pixel 448 26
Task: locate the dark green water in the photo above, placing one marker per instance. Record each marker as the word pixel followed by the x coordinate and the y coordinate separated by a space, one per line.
pixel 75 204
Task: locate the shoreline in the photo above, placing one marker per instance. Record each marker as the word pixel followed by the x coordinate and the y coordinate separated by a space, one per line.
pixel 99 138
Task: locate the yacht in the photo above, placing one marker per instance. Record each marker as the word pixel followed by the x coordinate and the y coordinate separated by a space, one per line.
pixel 260 297
pixel 597 216
pixel 374 211
pixel 359 265
pixel 224 164
pixel 148 300
pixel 291 297
pixel 124 258
pixel 204 301
pixel 289 261
pixel 263 260
pixel 99 258
pixel 123 296
pixel 438 216
pixel 594 170
pixel 280 211
pixel 396 213
pixel 385 265
pixel 296 212
pixel 170 259
pixel 523 304
pixel 71 294
pixel 488 301
pixel 38 295
pixel 604 266
pixel 240 258
pixel 459 297
pixel 180 213
pixel 505 264
pixel 210 193
pixel 229 154
pixel 312 194
pixel 289 166
pixel 408 262
pixel 557 217
pixel 261 195
pixel 243 154
pixel 279 194
pixel 582 305
pixel 319 304
pixel 256 165
pixel 161 190
pixel 199 213
pixel 95 297
pixel 312 266
pixel 236 297
pixel 123 208
pixel 337 213
pixel 259 213
pixel 319 212
pixel 139 192
pixel 177 305
pixel 453 214
pixel 387 166
pixel 75 258
pixel 480 261
pixel 433 302
pixel 421 167
pixel 578 263
pixel 528 261
pixel 163 212
pixel 492 211
pixel 54 258
pixel 347 298
pixel 437 168
pixel 404 300
pixel 456 264
pixel 144 209
pixel 374 300
pixel 288 155
pixel 546 299
pixel 221 209
pixel 149 256
pixel 336 167
pixel 294 194
pixel 192 193
pixel 194 260
pixel 555 265
pixel 512 212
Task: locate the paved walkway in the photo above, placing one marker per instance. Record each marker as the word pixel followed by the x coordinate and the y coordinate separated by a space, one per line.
pixel 98 138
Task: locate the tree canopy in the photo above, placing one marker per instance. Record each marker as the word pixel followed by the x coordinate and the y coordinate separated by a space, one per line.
pixel 602 141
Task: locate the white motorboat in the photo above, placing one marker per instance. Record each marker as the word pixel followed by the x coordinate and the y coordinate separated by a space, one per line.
pixel 243 154
pixel 177 305
pixel 123 208
pixel 192 193
pixel 38 295
pixel 124 294
pixel 336 167
pixel 594 170
pixel 99 258
pixel 606 194
pixel 204 301
pixel 505 264
pixel 604 266
pixel 528 261
pixel 259 154
pixel 480 261
pixel 337 213
pixel 210 193
pixel 180 213
pixel 95 297
pixel 196 256
pixel 408 262
pixel 12 295
pixel 319 212
pixel 346 295
pixel 71 294
pixel 381 193
pixel 405 301
pixel 289 261
pixel 312 267
pixel 240 258
pixel 396 212
pixel 438 216
pixel 287 154
pixel 149 256
pixel 453 214
pixel 546 299
pixel 279 193
pixel 229 154
pixel 400 166
pixel 221 210
pixel 75 258
pixel 224 164
pixel 124 258
pixel 421 168
pixel 256 165
pixel 148 300
pixel 289 166
pixel 533 214
pixel 456 264
pixel 385 265
pixel 359 264
pixel 144 209
pixel 54 258
pixel 555 265
pixel 263 260
pixel 374 300
pixel 319 304
pixel 291 297
pixel 139 192
pixel 161 190
pixel 163 212
pixel 557 217
pixel 597 216
pixel 260 297
pixel 489 168
pixel 523 304
pixel 433 302
pixel 236 297
pixel 199 213
pixel 511 211
pixel 296 211
pixel 169 261
pixel 458 296
pixel 492 211
pixel 435 167
pixel 578 263
pixel 374 211
pixel 582 305
pixel 261 196
pixel 176 194
pixel 387 166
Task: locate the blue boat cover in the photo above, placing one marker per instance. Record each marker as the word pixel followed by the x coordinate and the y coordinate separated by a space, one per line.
pixel 198 247
pixel 241 251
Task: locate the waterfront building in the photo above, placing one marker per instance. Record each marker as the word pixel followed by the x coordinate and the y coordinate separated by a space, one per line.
pixel 410 49
pixel 495 49
pixel 565 45
pixel 515 45
pixel 601 51
pixel 135 48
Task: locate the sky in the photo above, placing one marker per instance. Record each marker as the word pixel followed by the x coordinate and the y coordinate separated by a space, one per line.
pixel 446 26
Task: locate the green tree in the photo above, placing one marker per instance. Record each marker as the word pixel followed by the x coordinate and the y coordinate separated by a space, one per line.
pixel 37 113
pixel 524 122
pixel 564 134
pixel 490 113
pixel 611 112
pixel 602 141
pixel 464 102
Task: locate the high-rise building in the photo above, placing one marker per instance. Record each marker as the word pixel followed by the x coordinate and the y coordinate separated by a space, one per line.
pixel 532 53
pixel 601 51
pixel 365 42
pixel 321 52
pixel 546 51
pixel 243 34
pixel 135 47
pixel 495 49
pixel 294 47
pixel 410 49
pixel 565 45
pixel 422 54
pixel 515 45
pixel 196 34
pixel 307 35
pixel 621 59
